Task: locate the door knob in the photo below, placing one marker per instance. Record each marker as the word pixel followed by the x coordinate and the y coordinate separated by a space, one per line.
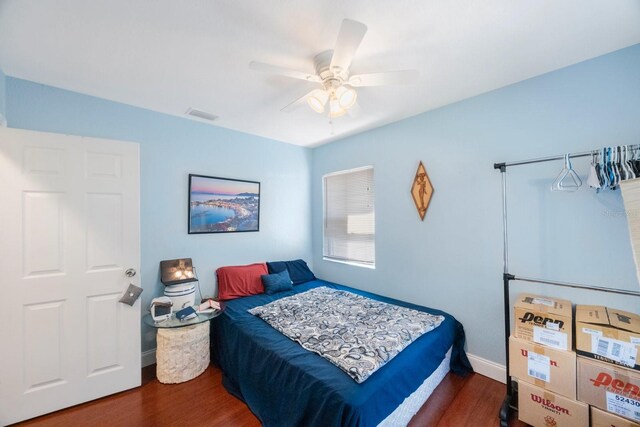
pixel 130 272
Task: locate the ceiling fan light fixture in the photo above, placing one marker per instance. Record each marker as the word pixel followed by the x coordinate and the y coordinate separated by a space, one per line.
pixel 346 97
pixel 317 99
pixel 335 110
pixel 332 72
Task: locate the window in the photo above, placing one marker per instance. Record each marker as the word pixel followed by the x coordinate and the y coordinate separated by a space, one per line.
pixel 349 217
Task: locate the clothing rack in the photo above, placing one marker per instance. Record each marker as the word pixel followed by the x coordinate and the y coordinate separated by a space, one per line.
pixel 507 277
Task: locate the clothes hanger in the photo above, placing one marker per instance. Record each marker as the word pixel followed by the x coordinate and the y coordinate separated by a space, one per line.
pixel 599 171
pixel 629 163
pixel 622 164
pixel 619 165
pixel 610 172
pixel 605 168
pixel 568 179
pixel 632 160
pixel 594 179
pixel 619 168
pixel 604 175
pixel 615 166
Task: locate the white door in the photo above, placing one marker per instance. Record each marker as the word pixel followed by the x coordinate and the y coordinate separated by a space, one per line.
pixel 69 229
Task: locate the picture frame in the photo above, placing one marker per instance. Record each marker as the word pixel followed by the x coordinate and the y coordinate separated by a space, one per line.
pixel 421 191
pixel 222 205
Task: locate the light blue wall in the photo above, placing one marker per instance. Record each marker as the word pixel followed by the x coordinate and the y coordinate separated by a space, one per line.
pixel 453 260
pixel 170 149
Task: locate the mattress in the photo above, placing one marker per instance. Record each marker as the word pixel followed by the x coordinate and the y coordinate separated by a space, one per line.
pixel 285 385
pixel 412 404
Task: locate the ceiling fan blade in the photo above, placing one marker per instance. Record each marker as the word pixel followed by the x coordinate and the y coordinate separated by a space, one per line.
pixel 349 38
pixel 387 78
pixel 281 71
pixel 297 103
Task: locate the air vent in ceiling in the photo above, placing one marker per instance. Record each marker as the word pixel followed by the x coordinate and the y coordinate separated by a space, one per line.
pixel 201 114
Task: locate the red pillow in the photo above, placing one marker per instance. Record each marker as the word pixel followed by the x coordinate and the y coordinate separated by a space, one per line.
pixel 240 280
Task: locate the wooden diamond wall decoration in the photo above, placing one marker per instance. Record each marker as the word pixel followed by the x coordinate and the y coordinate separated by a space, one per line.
pixel 421 190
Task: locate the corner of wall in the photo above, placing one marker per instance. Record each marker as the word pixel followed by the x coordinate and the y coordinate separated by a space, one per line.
pixel 148 357
pixel 3 95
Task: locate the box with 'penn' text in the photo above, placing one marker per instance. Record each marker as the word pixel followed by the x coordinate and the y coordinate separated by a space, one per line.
pixel 609 387
pixel 542 408
pixel 544 320
pixel 547 368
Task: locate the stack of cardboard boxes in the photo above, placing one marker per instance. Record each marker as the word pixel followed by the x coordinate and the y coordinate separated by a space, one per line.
pixel 556 386
pixel 608 343
pixel 541 358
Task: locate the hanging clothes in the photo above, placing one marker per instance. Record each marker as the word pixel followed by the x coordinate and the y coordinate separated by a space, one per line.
pixel 610 166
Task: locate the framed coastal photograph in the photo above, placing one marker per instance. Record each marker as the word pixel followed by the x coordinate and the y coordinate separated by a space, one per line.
pixel 223 205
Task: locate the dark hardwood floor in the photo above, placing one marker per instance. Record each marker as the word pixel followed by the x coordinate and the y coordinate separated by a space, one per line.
pixel 472 401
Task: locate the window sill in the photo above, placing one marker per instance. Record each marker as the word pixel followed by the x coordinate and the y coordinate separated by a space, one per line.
pixel 352 263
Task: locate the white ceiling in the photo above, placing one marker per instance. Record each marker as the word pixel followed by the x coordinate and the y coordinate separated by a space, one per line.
pixel 168 55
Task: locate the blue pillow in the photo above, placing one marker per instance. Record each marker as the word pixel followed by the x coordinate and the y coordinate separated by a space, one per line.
pixel 277 282
pixel 298 270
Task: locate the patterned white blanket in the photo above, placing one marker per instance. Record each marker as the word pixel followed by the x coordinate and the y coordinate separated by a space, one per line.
pixel 355 333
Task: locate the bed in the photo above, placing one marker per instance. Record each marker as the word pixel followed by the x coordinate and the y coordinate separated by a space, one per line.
pixel 286 385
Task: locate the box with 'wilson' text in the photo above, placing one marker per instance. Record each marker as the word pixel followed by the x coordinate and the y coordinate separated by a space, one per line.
pixel 544 320
pixel 609 335
pixel 547 368
pixel 609 387
pixel 542 408
pixel 600 418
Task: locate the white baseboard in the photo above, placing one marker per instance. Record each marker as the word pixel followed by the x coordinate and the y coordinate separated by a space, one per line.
pixel 148 357
pixel 488 368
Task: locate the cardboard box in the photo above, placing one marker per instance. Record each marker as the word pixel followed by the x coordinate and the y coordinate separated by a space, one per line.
pixel 600 418
pixel 547 368
pixel 609 387
pixel 542 408
pixel 608 335
pixel 543 320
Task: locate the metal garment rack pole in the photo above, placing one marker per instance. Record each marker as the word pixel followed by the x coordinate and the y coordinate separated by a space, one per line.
pixel 579 286
pixel 507 277
pixel 543 159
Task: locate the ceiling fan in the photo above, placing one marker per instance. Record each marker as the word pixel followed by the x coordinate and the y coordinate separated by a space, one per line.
pixel 333 74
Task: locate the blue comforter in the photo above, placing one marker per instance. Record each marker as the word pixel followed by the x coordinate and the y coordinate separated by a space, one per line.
pixel 286 385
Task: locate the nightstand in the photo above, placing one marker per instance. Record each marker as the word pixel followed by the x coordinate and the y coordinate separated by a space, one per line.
pixel 183 347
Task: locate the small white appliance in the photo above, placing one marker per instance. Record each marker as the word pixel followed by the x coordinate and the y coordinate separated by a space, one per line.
pixel 161 308
pixel 182 295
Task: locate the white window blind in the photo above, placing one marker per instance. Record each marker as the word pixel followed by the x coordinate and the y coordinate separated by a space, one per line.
pixel 349 216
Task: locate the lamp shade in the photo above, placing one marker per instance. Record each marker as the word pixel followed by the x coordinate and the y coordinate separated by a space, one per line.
pixel 317 99
pixel 335 109
pixel 176 271
pixel 346 97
